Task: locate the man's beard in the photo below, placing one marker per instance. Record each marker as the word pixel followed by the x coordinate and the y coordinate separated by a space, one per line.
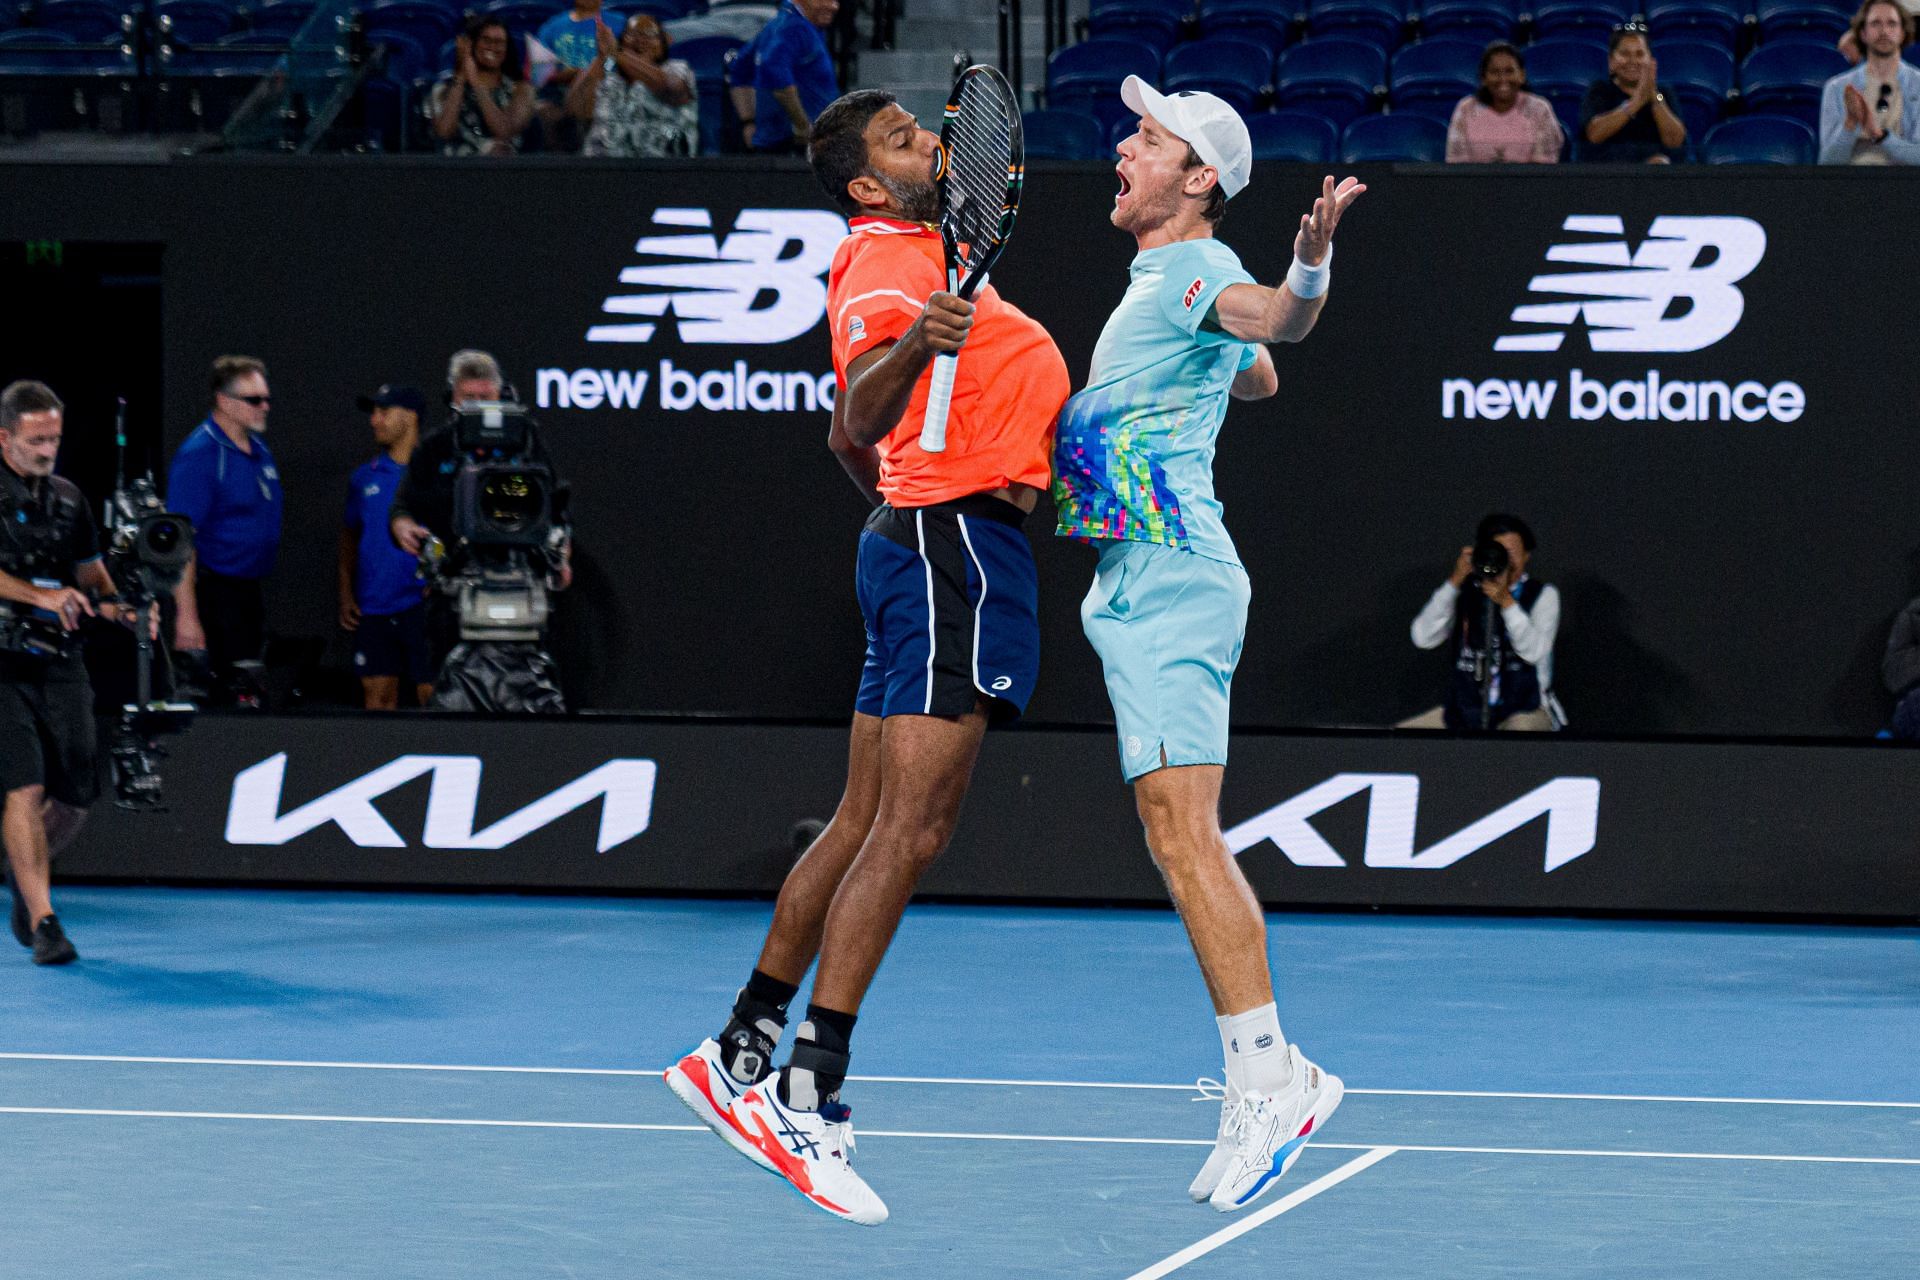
pixel 916 201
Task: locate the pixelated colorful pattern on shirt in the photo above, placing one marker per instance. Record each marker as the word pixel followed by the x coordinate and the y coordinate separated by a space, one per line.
pixel 1106 481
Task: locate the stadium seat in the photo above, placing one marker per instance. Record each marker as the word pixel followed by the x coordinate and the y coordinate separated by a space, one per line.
pixel 34 35
pixel 1087 76
pixel 708 56
pixel 193 21
pixel 426 22
pixel 406 56
pixel 1379 22
pixel 1296 136
pixel 1264 22
pixel 1233 70
pixel 1154 22
pixel 1481 21
pixel 1430 78
pixel 1561 71
pixel 1714 20
pixel 1412 138
pixel 51 81
pixel 523 17
pixel 1759 140
pixel 282 18
pixel 1699 75
pixel 1336 78
pixel 1577 17
pixel 1055 134
pixel 1811 19
pixel 1786 77
pixel 85 20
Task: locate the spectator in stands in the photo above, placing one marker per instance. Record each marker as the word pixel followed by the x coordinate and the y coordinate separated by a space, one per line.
pixel 573 37
pixel 638 102
pixel 1626 117
pixel 223 479
pixel 1517 662
pixel 1901 670
pixel 1871 114
pixel 383 601
pixel 743 68
pixel 483 107
pixel 794 77
pixel 1850 47
pixel 1503 123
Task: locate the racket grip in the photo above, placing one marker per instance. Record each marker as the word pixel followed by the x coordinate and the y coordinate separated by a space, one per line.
pixel 933 431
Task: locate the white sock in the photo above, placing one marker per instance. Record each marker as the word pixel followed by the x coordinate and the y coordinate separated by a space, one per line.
pixel 1233 1074
pixel 1256 1050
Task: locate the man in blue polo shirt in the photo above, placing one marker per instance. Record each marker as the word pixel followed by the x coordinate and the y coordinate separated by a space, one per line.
pixel 224 480
pixel 382 597
pixel 793 75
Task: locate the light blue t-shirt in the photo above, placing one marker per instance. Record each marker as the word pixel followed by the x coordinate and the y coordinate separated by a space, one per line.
pixel 1133 453
pixel 576 43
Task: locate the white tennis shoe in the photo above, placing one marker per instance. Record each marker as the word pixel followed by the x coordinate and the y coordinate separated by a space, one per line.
pixel 1269 1130
pixel 812 1150
pixel 1209 1176
pixel 704 1085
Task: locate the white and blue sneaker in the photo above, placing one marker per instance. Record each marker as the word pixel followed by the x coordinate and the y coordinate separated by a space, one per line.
pixel 1269 1130
pixel 709 1091
pixel 1229 1099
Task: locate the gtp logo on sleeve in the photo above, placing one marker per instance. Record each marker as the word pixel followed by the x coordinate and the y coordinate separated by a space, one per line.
pixel 1193 291
pixel 1635 290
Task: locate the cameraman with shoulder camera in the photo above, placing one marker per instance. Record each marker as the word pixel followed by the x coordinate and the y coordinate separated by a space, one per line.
pixel 1503 623
pixel 51 574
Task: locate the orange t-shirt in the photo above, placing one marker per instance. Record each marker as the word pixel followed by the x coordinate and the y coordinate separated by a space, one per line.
pixel 1007 390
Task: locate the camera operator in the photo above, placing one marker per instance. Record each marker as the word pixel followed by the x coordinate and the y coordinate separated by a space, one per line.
pixel 1502 680
pixel 423 510
pixel 50 576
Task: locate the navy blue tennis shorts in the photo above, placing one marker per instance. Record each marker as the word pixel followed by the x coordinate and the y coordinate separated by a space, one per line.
pixel 951 600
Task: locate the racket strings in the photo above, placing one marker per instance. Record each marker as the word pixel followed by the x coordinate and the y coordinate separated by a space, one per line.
pixel 979 159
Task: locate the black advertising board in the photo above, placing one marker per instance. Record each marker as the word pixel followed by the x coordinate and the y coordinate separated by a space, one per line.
pixel 1523 822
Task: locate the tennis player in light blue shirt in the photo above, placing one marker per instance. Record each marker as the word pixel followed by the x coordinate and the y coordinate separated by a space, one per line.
pixel 1167 612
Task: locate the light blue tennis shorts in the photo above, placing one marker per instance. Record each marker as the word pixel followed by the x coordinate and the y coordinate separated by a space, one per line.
pixel 1168 625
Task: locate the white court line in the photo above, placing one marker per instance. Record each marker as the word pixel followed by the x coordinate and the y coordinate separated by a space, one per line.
pixel 950 1080
pixel 1200 1248
pixel 1091 1140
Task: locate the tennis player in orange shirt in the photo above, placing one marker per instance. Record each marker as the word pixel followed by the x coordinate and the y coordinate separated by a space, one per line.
pixel 947 585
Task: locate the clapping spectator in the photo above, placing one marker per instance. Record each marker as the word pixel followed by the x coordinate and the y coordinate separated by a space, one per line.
pixel 1871 114
pixel 1626 117
pixel 639 103
pixel 1503 123
pixel 484 106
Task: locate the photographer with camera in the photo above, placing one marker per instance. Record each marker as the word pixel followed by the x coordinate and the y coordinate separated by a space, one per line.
pixel 1503 623
pixel 51 577
pixel 483 506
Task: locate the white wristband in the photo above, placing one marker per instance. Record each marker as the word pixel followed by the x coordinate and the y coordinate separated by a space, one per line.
pixel 1310 282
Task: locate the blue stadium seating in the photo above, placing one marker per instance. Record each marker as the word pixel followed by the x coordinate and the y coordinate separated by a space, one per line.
pixel 1785 78
pixel 1481 21
pixel 1812 19
pixel 1298 136
pixel 1759 140
pixel 1413 138
pixel 49 80
pixel 1430 78
pixel 1561 71
pixel 1380 22
pixel 282 18
pixel 34 35
pixel 1087 76
pixel 1699 76
pixel 426 22
pixel 1234 70
pixel 1336 78
pixel 708 56
pixel 407 58
pixel 1054 134
pixel 1154 22
pixel 1578 17
pixel 84 20
pixel 193 21
pixel 1264 22
pixel 523 17
pixel 1718 20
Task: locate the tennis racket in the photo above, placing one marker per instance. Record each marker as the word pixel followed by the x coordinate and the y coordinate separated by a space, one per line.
pixel 982 163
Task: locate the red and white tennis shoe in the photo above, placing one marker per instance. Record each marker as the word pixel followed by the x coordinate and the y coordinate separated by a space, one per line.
pixel 704 1085
pixel 812 1150
pixel 1269 1131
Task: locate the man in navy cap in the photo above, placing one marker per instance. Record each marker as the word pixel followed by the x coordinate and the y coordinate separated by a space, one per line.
pixel 382 596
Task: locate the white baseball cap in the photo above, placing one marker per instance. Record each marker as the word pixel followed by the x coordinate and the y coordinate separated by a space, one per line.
pixel 1213 129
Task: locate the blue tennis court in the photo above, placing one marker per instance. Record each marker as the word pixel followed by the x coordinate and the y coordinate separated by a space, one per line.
pixel 243 1083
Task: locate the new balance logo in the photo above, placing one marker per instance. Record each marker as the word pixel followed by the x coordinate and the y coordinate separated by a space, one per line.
pixel 761 284
pixel 1694 261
